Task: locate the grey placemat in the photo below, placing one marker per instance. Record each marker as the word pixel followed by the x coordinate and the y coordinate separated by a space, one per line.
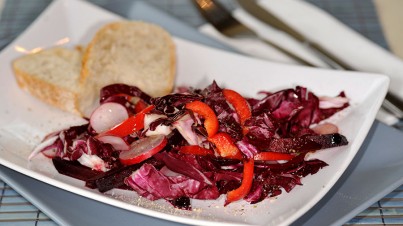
pixel 360 15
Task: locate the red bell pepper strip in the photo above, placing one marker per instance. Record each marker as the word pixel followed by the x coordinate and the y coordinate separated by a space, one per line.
pixel 130 125
pixel 195 150
pixel 140 105
pixel 272 156
pixel 210 119
pixel 126 96
pixel 239 103
pixel 225 146
pixel 246 185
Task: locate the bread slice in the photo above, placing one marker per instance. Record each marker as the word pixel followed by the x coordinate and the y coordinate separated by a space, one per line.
pixel 131 52
pixel 51 75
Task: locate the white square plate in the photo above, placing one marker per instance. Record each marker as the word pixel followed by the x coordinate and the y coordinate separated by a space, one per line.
pixel 24 120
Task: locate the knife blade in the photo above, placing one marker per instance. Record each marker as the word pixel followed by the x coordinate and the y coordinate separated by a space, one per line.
pixel 271 19
pixel 392 103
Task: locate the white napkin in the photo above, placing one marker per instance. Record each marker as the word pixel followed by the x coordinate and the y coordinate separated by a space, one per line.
pixel 322 28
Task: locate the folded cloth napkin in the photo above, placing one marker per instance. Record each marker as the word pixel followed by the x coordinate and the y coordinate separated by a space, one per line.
pixel 1 6
pixel 391 18
pixel 322 28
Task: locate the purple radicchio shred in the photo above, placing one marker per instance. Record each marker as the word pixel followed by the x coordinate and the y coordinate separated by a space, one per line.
pixel 154 184
pixel 175 140
pixel 226 116
pixel 261 130
pixel 295 109
pixel 175 164
pixel 292 166
pixel 331 111
pixel 69 145
pixel 76 140
pixel 229 125
pixel 171 103
pixel 255 194
pixel 270 180
pixel 280 122
pixel 227 180
pixel 115 89
pixel 148 181
pixel 247 148
pixel 167 121
pixel 84 144
pixel 224 186
pixel 115 177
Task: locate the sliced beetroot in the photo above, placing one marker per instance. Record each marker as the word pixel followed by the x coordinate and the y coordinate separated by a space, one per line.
pixel 111 179
pixel 115 177
pixel 306 143
pixel 74 169
pixel 329 140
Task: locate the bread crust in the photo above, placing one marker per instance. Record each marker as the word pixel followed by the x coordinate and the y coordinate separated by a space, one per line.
pixel 88 53
pixel 37 73
pixel 49 93
pixel 93 78
pixel 79 94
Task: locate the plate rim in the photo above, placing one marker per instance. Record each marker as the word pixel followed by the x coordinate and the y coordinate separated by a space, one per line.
pixel 29 173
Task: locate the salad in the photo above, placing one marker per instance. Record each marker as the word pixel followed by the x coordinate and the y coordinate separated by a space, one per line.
pixel 198 143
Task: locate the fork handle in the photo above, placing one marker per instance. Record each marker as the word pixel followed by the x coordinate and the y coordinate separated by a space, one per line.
pixel 328 57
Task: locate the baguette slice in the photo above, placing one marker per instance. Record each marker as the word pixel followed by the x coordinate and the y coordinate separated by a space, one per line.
pixel 131 52
pixel 52 75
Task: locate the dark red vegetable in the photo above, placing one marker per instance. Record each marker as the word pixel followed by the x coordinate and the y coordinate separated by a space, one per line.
pixel 131 125
pixel 210 119
pixel 195 150
pixel 225 146
pixel 244 148
pixel 239 103
pixel 246 185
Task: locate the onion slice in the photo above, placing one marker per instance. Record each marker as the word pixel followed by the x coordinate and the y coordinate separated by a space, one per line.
pixel 117 142
pixel 42 146
pixel 143 149
pixel 107 116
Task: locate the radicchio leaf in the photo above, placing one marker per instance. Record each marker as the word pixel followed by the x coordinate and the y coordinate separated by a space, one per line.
pixel 119 88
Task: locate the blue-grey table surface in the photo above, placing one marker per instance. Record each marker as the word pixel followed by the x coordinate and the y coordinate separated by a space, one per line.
pixel 358 14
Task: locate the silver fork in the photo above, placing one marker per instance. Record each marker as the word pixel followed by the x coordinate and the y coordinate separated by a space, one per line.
pixel 218 16
pixel 226 24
